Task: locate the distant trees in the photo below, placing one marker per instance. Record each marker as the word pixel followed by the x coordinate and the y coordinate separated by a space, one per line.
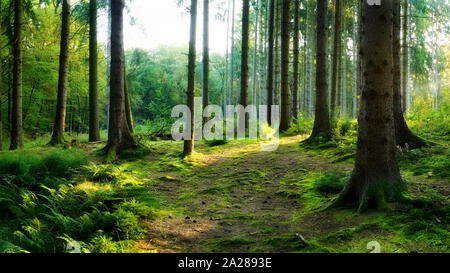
pixel 376 178
pixel 119 134
pixel 189 143
pixel 16 115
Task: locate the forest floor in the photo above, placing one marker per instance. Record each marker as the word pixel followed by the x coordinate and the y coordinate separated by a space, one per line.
pixel 228 198
pixel 236 198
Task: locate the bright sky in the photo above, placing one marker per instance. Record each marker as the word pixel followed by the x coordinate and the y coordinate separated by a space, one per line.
pixel 162 22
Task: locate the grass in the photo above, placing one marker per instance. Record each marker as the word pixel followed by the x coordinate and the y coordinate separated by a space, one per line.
pixel 248 200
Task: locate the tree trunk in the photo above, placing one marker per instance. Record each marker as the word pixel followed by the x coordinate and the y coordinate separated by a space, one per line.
pixel 205 55
pixel 60 118
pixel 277 54
pixel 119 135
pixel 244 57
pixel 270 59
pixel 336 53
pixel 296 74
pixel 376 178
pixel 405 57
pixel 1 91
pixel 128 111
pixel 94 131
pixel 403 135
pixel 16 117
pixel 189 143
pixel 284 122
pixel 322 118
pixel 231 92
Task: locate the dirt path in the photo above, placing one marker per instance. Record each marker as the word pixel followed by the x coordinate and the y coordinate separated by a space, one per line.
pixel 233 200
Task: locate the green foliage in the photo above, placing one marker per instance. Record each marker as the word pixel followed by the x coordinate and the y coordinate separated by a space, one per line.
pixel 301 126
pixel 102 173
pixel 329 183
pixel 431 162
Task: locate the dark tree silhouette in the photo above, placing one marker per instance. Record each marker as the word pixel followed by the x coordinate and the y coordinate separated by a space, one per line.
pixel 284 122
pixel 16 115
pixel 94 131
pixel 270 60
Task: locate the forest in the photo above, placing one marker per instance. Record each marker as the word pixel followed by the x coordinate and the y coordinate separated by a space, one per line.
pixel 355 93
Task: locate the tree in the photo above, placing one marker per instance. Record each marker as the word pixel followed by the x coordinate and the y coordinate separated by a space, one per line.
pixel 16 115
pixel 284 122
pixel 128 111
pixel 244 56
pixel 205 54
pixel 403 135
pixel 94 131
pixel 296 73
pixel 1 91
pixel 322 119
pixel 119 135
pixel 336 56
pixel 405 57
pixel 189 143
pixel 376 177
pixel 270 60
pixel 60 118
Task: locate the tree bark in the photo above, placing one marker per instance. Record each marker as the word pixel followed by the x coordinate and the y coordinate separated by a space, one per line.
pixel 322 118
pixel 376 178
pixel 270 59
pixel 403 135
pixel 296 74
pixel 119 135
pixel 128 111
pixel 336 53
pixel 16 117
pixel 205 55
pixel 244 57
pixel 60 117
pixel 1 91
pixel 284 122
pixel 189 143
pixel 405 57
pixel 94 130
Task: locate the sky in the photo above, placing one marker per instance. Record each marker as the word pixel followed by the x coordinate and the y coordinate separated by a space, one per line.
pixel 162 22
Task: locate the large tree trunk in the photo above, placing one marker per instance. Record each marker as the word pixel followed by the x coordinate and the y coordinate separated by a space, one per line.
pixel 403 135
pixel 296 73
pixel 60 118
pixel 205 55
pixel 270 60
pixel 244 58
pixel 189 143
pixel 1 91
pixel 405 57
pixel 376 178
pixel 336 53
pixel 284 122
pixel 322 118
pixel 16 117
pixel 119 135
pixel 94 131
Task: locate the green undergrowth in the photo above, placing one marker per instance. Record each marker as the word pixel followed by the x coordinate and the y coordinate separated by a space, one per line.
pixel 49 199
